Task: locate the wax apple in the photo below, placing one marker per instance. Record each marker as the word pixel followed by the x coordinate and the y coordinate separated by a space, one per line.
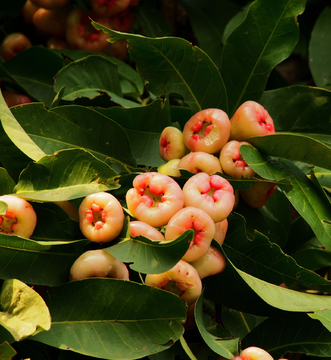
pixel 13 98
pixel 170 168
pixel 98 263
pixel 208 130
pixel 233 163
pixel 101 217
pixel 80 34
pixel 13 44
pixel 171 144
pixel 251 119
pixel 182 280
pixel 28 11
pixel 200 161
pixel 255 353
pixel 141 228
pixel 108 8
pixel 221 228
pixel 70 209
pixel 211 193
pixel 154 198
pixel 51 22
pixel 50 4
pixel 203 226
pixel 20 218
pixel 210 264
pixel 258 194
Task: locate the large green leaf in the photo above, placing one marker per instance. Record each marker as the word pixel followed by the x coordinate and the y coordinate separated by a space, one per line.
pixel 265 38
pixel 39 263
pixel 69 174
pixel 208 19
pixel 113 319
pixel 320 50
pixel 294 146
pixel 173 65
pixel 6 182
pixel 266 261
pixel 16 133
pixel 290 333
pixel 83 78
pixel 298 108
pixel 143 125
pixel 36 79
pixel 73 126
pixel 226 346
pixel 306 197
pixel 149 256
pixel 23 311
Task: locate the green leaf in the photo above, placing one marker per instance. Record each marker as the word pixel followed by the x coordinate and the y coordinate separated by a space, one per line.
pixel 290 333
pixel 297 108
pixel 294 146
pixel 38 262
pixel 208 20
pixel 69 174
pixel 167 64
pixel 6 351
pixel 73 126
pixel 7 184
pixel 266 37
pixel 113 319
pixel 324 316
pixel 83 78
pixel 37 78
pixel 17 134
pixel 226 347
pixel 24 312
pixel 143 126
pixel 320 50
pixel 306 198
pixel 150 256
pixel 266 261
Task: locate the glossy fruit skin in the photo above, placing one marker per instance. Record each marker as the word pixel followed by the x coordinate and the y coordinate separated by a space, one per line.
pixel 20 218
pixel 251 119
pixel 258 194
pixel 154 198
pixel 208 131
pixel 221 228
pixel 204 230
pixel 170 168
pixel 184 277
pixel 98 263
pixel 232 162
pixel 255 353
pixel 13 44
pixel 171 144
pixel 28 11
pixel 101 217
pixel 141 228
pixel 51 22
pixel 199 161
pixel 211 193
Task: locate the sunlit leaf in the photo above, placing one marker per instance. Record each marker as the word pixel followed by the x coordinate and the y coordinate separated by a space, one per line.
pixel 100 323
pixel 23 311
pixel 6 351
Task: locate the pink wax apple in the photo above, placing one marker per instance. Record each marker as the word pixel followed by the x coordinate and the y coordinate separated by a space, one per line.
pixel 211 193
pixel 251 119
pixel 171 144
pixel 258 194
pixel 141 228
pixel 208 131
pixel 200 161
pixel 154 198
pixel 203 226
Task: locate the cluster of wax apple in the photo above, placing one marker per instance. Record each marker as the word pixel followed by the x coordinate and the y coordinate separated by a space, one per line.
pixel 63 25
pixel 210 143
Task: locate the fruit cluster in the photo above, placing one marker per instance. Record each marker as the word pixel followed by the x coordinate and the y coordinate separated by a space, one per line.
pixel 63 25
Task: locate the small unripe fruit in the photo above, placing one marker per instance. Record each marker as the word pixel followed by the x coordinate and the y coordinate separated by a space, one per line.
pixel 170 168
pixel 171 144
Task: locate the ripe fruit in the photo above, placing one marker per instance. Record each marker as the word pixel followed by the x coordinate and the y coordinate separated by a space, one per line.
pixel 203 226
pixel 108 8
pixel 221 228
pixel 98 263
pixel 251 119
pixel 170 168
pixel 101 217
pixel 51 22
pixel 210 264
pixel 171 144
pixel 69 208
pixel 13 98
pixel 13 44
pixel 258 194
pixel 182 280
pixel 213 194
pixel 200 161
pixel 255 353
pixel 28 11
pixel 208 130
pixel 154 198
pixel 141 228
pixel 20 218
pixel 232 162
